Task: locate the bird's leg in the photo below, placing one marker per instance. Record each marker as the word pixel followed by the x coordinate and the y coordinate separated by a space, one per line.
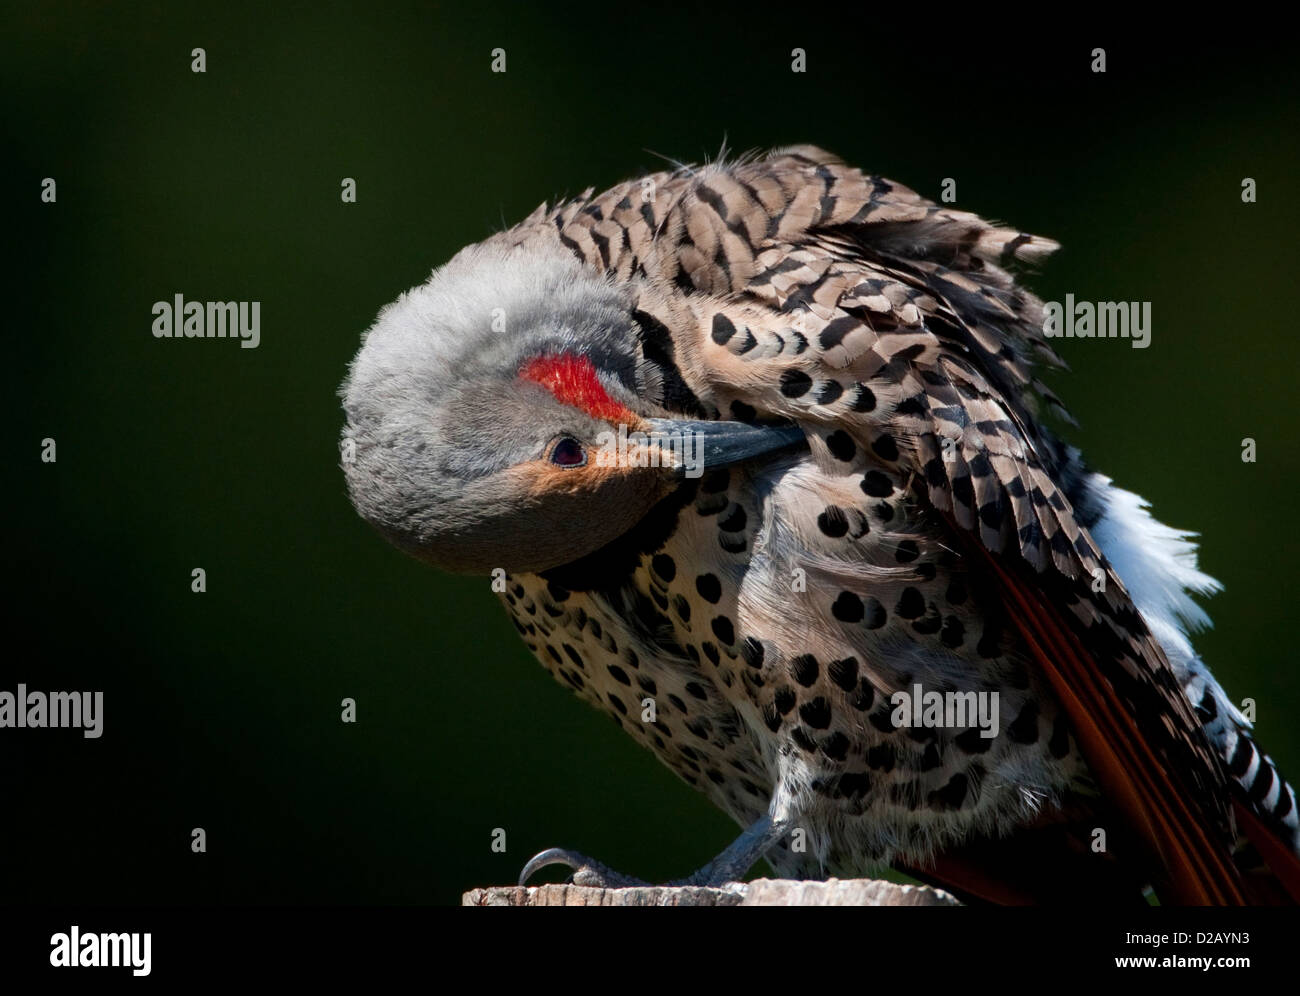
pixel 739 856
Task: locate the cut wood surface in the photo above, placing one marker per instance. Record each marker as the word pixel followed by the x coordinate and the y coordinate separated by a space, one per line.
pixel 760 892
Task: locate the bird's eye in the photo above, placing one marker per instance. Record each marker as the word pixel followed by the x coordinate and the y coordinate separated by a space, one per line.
pixel 568 452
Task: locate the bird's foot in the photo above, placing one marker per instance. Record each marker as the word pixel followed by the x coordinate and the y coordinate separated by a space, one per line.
pixel 585 870
pixel 729 866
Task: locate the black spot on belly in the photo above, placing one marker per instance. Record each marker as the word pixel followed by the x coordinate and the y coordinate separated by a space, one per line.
pixel 865 400
pixel 882 757
pixel 800 736
pixel 734 521
pixel 682 608
pixel 930 623
pixel 910 605
pixel 972 742
pixel 752 651
pixel 952 795
pixel 1025 729
pixel 836 746
pixel 833 522
pixel 731 542
pixel 844 672
pixel 855 784
pixel 847 607
pixel 784 700
pixel 882 720
pixel 771 717
pixel 953 632
pixel 724 630
pixel 709 587
pixel 804 669
pixel 885 447
pixel 877 485
pixel 664 566
pixel 841 445
pixel 618 674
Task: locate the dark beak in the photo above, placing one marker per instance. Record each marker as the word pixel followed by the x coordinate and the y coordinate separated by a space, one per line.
pixel 699 446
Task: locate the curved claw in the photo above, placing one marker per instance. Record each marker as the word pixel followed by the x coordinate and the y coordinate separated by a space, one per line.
pixel 585 871
pixel 551 856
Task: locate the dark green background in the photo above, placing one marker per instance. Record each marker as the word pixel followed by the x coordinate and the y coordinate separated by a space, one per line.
pixel 222 709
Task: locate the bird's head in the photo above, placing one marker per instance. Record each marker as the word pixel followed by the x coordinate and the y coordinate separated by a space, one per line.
pixel 496 417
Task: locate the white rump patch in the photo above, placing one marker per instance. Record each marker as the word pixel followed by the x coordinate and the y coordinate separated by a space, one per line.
pixel 1158 567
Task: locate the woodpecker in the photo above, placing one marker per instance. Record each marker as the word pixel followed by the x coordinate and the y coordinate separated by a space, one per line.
pixel 759 450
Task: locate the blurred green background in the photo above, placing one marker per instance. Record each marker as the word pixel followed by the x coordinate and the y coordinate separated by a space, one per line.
pixel 222 709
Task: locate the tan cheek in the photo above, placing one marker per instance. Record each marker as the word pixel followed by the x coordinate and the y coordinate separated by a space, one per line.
pixel 539 478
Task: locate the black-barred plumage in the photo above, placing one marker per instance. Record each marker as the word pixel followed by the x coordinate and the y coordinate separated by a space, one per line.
pixel 753 625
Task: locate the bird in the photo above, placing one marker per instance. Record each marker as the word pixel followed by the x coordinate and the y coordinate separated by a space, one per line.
pixel 759 451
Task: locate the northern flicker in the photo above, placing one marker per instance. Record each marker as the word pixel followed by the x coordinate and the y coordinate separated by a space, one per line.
pixel 758 449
